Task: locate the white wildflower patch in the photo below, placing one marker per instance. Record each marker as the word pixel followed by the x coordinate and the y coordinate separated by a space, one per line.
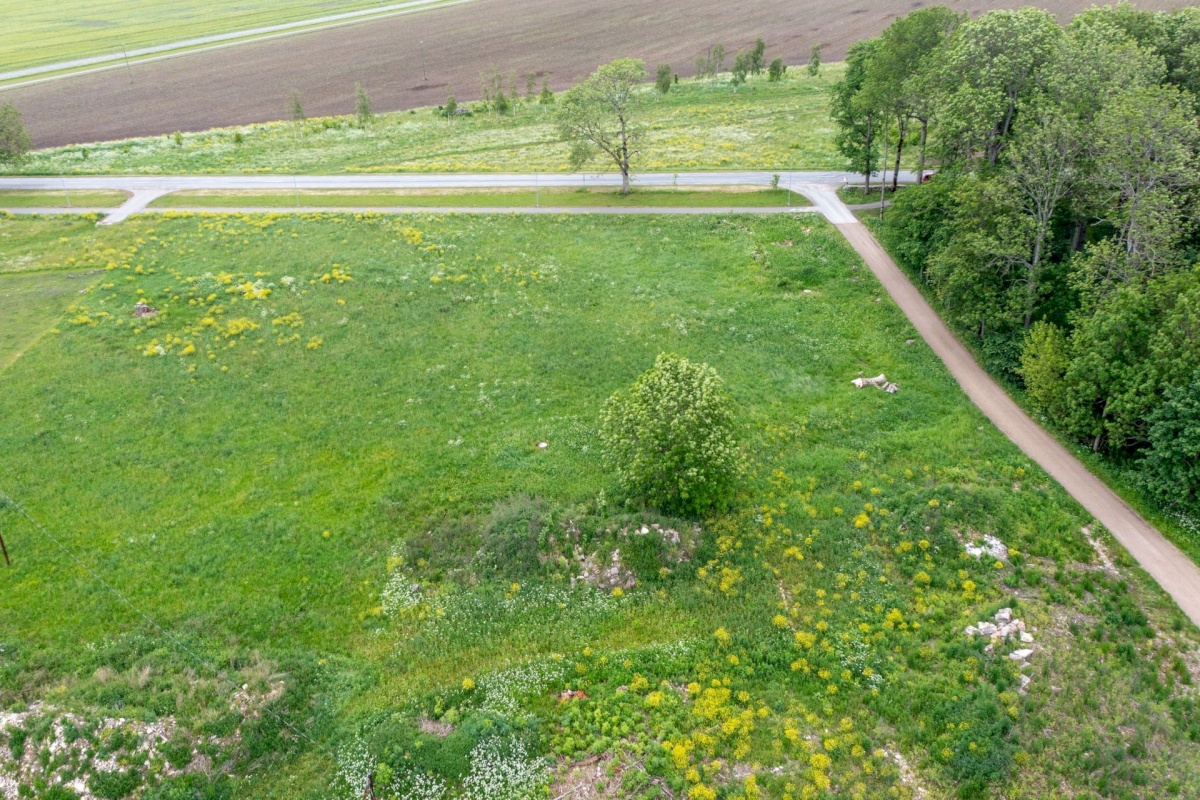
pixel 504 691
pixel 503 770
pixel 355 764
pixel 400 594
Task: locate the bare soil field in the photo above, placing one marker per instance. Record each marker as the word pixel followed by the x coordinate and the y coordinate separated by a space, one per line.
pixel 413 61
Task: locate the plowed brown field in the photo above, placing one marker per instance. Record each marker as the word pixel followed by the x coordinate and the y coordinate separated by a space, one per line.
pixel 560 39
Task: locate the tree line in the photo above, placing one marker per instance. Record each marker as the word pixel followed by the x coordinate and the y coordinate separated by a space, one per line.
pixel 1060 231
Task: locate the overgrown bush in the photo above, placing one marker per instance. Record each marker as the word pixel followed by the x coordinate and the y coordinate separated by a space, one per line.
pixel 672 439
pixel 1171 470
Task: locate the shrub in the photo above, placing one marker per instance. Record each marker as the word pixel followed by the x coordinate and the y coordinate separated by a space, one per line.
pixel 671 437
pixel 512 538
pixel 1171 470
pixel 776 71
pixel 662 79
pixel 115 785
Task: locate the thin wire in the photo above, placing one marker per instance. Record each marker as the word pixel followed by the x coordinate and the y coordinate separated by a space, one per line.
pixel 167 634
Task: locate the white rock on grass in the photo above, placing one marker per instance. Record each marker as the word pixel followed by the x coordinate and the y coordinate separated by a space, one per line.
pixel 1003 615
pixel 1020 655
pixel 991 547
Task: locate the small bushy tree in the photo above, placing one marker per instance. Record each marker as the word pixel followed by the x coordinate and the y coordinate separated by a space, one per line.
pixel 14 139
pixel 362 105
pixel 741 68
pixel 671 437
pixel 776 71
pixel 297 112
pixel 814 61
pixel 662 79
pixel 756 56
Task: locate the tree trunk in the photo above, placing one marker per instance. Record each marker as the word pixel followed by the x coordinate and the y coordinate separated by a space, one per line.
pixel 1077 237
pixel 867 160
pixel 921 158
pixel 626 188
pixel 899 151
pixel 883 162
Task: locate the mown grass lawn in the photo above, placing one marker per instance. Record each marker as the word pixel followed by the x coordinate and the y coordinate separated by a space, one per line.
pixel 320 466
pixel 772 126
pixel 715 198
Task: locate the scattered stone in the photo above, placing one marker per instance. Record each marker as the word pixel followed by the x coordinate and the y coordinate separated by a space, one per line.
pixel 987 629
pixel 1101 551
pixel 971 630
pixel 572 694
pixel 1026 638
pixel 910 341
pixel 543 445
pixel 1025 681
pixel 1003 615
pixel 1021 655
pixel 143 310
pixel 991 546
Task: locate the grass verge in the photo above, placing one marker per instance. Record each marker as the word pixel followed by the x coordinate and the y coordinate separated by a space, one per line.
pixel 644 198
pixel 20 199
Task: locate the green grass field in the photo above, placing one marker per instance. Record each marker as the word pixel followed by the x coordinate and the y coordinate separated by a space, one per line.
pixel 643 198
pixel 46 33
pixel 14 199
pixel 769 126
pixel 319 467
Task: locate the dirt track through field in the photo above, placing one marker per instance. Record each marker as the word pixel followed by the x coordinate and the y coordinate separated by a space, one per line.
pixel 411 61
pixel 1173 571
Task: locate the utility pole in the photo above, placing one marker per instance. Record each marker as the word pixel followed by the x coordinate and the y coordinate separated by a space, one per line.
pixel 65 192
pixel 128 69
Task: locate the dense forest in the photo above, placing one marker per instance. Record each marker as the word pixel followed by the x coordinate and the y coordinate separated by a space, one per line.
pixel 1059 232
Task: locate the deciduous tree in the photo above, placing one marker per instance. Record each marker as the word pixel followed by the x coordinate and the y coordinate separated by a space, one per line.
pixel 14 139
pixel 601 116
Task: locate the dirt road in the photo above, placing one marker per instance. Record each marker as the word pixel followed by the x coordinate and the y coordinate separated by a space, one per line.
pixel 1173 571
pixel 416 60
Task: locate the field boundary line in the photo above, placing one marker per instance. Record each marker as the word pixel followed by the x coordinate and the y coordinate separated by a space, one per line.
pixel 148 55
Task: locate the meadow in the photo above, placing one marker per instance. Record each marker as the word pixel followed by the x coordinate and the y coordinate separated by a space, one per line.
pixel 46 33
pixel 772 126
pixel 351 463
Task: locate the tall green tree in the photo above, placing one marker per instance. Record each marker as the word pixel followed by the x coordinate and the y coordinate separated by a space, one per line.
pixel 853 113
pixel 896 73
pixel 14 139
pixel 601 116
pixel 989 70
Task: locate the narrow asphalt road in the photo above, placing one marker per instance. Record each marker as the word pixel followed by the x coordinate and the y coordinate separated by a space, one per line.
pixel 1173 571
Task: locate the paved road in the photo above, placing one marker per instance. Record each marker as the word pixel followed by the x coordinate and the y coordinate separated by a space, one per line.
pixel 820 187
pixel 1174 571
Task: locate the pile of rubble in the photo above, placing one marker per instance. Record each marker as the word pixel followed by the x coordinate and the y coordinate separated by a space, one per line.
pixel 1002 628
pixel 880 381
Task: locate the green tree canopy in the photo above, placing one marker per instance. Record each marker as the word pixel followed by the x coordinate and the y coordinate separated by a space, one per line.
pixel 600 116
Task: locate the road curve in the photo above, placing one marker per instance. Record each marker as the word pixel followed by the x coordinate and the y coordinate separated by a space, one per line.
pixel 1175 573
